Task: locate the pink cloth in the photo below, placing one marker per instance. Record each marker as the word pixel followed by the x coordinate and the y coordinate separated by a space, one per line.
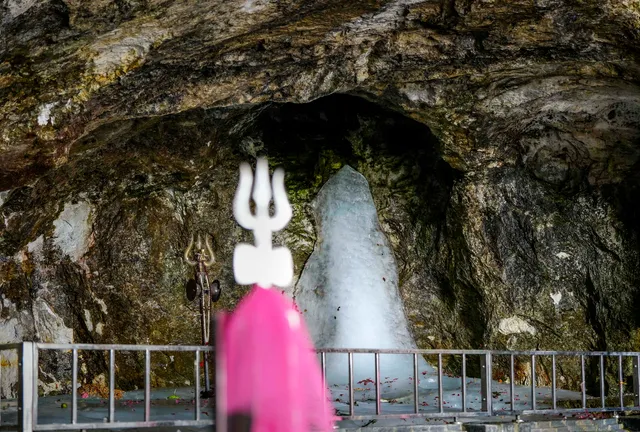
pixel 272 371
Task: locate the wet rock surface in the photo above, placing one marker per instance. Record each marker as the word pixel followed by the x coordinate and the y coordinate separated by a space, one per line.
pixel 500 141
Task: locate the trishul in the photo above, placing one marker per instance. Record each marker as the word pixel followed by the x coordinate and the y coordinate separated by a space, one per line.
pixel 201 257
pixel 262 264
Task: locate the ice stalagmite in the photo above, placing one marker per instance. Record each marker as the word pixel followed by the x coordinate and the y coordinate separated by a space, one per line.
pixel 348 290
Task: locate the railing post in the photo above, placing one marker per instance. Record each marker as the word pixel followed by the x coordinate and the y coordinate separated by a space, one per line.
pixel 351 394
pixel 463 393
pixel 636 380
pixel 25 396
pixel 377 371
pixel 112 385
pixel 485 383
pixel 416 390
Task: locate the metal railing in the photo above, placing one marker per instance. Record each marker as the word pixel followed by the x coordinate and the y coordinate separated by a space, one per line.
pixel 487 360
pixel 28 372
pixel 28 354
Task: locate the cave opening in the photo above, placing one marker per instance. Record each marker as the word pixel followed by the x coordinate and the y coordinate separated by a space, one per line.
pixel 313 140
pixel 411 186
pixel 410 182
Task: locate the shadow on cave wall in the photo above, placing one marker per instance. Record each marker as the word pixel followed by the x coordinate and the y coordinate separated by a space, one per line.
pixel 624 197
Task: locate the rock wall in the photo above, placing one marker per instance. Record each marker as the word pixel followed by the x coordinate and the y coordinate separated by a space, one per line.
pixel 510 199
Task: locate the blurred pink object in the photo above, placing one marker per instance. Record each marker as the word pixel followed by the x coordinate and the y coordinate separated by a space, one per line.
pixel 270 373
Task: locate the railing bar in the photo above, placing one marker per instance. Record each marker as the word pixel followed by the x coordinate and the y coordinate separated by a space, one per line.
pixel 440 391
pixel 121 347
pixel 471 352
pixel 553 382
pixel 602 395
pixel 464 383
pixel 196 367
pixel 636 380
pixel 448 414
pixel 620 382
pixel 533 381
pixel 512 385
pixel 351 404
pixel 35 372
pixel 220 377
pixel 0 388
pixel 147 385
pixel 485 383
pixel 74 387
pixel 377 359
pixel 583 384
pixel 415 383
pixel 25 386
pixel 112 384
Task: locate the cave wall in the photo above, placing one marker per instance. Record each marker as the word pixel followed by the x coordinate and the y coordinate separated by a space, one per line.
pixel 501 143
pixel 498 259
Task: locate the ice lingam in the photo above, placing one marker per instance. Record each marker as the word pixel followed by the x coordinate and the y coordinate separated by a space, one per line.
pixel 348 292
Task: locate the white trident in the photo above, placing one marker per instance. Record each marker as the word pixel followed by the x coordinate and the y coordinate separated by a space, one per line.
pixel 262 264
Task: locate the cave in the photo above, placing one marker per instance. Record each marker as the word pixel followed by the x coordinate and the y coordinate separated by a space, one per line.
pixel 501 145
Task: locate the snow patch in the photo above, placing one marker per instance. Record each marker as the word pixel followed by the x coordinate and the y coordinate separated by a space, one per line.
pixel 103 305
pixel 18 7
pixel 87 320
pixel 556 297
pixel 36 246
pixel 251 6
pixel 563 255
pixel 45 114
pixel 3 196
pixel 99 328
pixel 417 93
pixel 49 326
pixel 73 229
pixel 515 325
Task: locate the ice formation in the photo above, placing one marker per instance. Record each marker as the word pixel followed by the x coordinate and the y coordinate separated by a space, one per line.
pixel 73 229
pixel 348 290
pixel 348 293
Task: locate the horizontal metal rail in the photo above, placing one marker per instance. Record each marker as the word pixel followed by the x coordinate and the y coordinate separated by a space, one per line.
pixel 487 360
pixel 124 425
pixel 472 352
pixel 120 347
